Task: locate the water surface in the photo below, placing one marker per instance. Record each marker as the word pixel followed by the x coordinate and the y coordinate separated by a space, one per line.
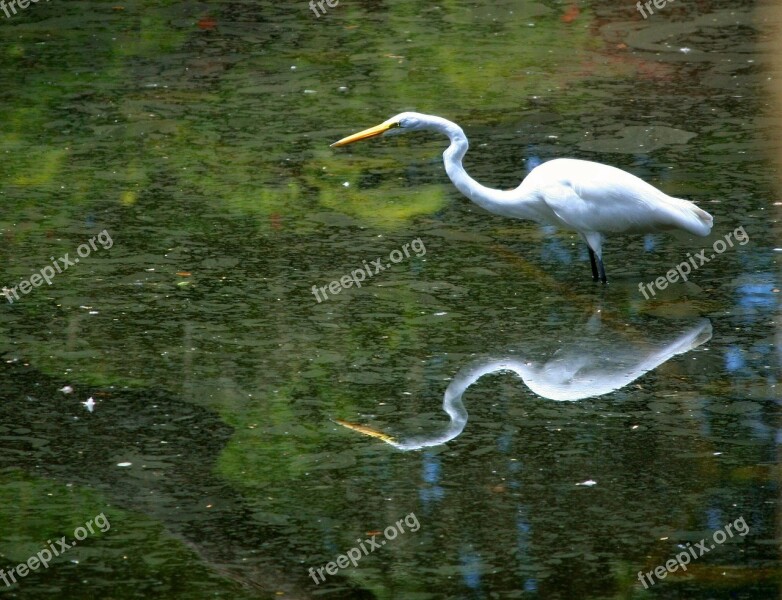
pixel 197 136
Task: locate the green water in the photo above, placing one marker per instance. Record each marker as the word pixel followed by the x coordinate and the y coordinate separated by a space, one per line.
pixel 196 137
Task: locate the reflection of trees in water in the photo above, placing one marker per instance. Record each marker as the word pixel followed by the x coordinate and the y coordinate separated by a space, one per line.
pixel 172 445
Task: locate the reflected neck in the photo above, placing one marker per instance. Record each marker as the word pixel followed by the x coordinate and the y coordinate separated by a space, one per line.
pixel 452 401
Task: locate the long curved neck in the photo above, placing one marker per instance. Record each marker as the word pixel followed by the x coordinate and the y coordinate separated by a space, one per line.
pixel 452 401
pixel 508 203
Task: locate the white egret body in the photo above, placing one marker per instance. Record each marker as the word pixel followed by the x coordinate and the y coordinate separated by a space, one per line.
pixel 588 197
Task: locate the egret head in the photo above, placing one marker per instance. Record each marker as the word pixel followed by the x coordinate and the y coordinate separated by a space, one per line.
pixel 401 123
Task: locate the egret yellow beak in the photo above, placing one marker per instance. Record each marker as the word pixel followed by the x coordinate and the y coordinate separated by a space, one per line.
pixel 366 431
pixel 366 134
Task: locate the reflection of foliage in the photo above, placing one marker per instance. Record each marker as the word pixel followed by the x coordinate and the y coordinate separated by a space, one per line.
pixel 384 205
pixel 132 548
pixel 238 141
pixel 271 445
pixel 67 507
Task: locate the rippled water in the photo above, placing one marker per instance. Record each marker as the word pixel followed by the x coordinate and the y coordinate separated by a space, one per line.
pixel 241 432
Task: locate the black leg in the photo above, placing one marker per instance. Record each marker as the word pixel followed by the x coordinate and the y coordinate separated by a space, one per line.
pixel 594 264
pixel 602 270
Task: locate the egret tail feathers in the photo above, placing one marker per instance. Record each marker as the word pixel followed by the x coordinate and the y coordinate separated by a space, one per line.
pixel 691 218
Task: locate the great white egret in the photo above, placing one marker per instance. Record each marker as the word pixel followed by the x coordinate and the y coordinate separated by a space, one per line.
pixel 586 366
pixel 588 197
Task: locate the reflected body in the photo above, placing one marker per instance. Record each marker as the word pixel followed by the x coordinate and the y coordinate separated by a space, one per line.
pixel 588 366
pixel 588 197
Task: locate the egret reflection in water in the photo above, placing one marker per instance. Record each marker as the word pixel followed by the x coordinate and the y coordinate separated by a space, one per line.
pixel 586 366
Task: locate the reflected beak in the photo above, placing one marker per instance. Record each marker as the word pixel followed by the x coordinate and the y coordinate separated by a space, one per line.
pixel 366 134
pixel 366 430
